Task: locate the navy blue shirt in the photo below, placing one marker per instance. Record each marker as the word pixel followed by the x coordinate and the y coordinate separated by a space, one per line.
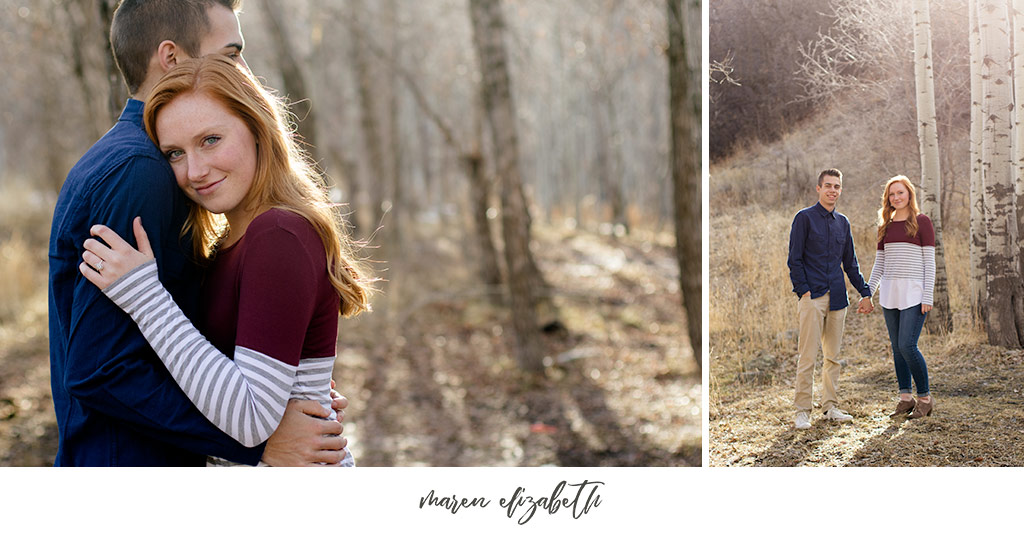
pixel 820 250
pixel 116 403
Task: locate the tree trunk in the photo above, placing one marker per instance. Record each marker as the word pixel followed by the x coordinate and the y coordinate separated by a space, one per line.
pixel 1003 282
pixel 368 106
pixel 978 236
pixel 685 174
pixel 489 39
pixel 295 87
pixel 1018 124
pixel 480 192
pixel 931 176
pixel 118 89
pixel 88 36
pixel 395 137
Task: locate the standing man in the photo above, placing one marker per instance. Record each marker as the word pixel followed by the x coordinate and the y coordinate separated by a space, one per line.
pixel 820 250
pixel 115 402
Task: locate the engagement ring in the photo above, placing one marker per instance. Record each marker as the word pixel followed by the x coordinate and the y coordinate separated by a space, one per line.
pixel 99 266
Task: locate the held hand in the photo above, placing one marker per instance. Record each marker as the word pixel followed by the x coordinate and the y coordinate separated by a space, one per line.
pixel 925 308
pixel 338 403
pixel 865 305
pixel 305 437
pixel 103 264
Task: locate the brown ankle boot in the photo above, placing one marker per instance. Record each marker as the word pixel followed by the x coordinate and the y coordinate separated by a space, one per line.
pixel 904 407
pixel 922 409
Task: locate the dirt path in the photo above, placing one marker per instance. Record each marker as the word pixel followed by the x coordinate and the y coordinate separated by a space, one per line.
pixel 978 419
pixel 438 385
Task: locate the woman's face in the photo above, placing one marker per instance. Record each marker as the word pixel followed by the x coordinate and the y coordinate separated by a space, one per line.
pixel 212 152
pixel 899 197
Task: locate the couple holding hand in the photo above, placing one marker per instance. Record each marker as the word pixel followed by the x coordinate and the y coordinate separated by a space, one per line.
pixel 821 250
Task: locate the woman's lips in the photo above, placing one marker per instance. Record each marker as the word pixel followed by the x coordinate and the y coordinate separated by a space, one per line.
pixel 208 188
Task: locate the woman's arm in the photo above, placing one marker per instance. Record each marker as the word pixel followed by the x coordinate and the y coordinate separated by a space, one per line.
pixel 244 397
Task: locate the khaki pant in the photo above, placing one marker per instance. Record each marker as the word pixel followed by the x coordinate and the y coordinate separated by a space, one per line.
pixel 818 326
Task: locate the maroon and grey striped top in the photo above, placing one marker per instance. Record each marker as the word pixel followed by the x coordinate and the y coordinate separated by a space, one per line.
pixel 904 269
pixel 271 316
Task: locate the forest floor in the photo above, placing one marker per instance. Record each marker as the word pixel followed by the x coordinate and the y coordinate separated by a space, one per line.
pixel 433 381
pixel 978 418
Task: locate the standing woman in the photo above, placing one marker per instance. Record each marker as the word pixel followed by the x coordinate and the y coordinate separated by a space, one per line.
pixel 279 265
pixel 904 275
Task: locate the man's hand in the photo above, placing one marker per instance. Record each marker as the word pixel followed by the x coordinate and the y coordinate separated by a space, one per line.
pixel 865 305
pixel 338 403
pixel 305 437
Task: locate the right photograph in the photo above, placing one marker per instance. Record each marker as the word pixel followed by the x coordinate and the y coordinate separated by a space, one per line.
pixel 866 234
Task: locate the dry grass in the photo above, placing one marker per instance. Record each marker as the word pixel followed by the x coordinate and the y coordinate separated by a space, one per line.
pixel 978 419
pixel 24 232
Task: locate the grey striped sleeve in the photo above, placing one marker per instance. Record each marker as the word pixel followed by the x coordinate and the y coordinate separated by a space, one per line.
pixel 244 397
pixel 876 271
pixel 928 257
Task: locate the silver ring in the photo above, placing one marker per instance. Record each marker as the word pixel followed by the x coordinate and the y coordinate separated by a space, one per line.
pixel 99 266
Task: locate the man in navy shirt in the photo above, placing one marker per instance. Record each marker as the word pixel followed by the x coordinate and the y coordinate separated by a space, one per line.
pixel 820 251
pixel 115 402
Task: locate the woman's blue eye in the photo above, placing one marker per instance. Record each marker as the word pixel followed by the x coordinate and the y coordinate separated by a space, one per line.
pixel 174 154
pixel 210 140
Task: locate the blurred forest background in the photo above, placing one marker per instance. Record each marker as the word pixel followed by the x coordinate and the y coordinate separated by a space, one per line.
pixel 532 312
pixel 798 86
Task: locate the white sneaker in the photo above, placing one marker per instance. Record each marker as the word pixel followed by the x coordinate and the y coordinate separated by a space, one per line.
pixel 837 415
pixel 803 420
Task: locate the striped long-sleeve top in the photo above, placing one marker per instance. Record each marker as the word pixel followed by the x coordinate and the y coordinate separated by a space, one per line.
pixel 904 270
pixel 271 318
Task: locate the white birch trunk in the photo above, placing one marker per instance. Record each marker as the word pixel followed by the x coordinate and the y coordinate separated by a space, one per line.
pixel 928 139
pixel 1017 12
pixel 997 175
pixel 978 238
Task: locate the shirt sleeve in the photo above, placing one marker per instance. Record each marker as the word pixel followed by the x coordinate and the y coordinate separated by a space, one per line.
pixel 926 232
pixel 110 367
pixel 797 238
pixel 852 267
pixel 877 270
pixel 244 397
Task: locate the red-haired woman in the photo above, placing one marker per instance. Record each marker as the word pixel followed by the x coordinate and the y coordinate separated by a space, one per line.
pixel 904 276
pixel 280 268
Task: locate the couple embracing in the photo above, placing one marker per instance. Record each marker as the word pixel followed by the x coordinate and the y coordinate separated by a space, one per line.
pixel 213 338
pixel 821 250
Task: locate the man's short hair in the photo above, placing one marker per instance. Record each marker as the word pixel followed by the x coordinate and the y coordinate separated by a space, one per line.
pixel 139 26
pixel 831 171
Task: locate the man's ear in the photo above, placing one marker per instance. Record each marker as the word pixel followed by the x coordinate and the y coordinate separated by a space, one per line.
pixel 168 53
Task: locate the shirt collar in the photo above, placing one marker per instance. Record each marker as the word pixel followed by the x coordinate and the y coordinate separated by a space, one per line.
pixel 133 112
pixel 825 212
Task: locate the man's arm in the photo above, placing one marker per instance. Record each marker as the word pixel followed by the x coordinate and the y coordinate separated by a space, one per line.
pixel 797 238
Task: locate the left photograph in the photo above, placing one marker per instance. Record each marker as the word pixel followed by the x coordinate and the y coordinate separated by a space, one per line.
pixel 293 233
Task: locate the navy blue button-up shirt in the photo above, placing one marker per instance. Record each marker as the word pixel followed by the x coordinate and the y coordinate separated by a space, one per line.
pixel 116 403
pixel 820 250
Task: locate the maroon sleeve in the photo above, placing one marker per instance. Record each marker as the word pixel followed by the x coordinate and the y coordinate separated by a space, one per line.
pixel 925 231
pixel 277 291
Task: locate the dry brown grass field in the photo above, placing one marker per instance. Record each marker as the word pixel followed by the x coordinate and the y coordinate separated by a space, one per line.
pixel 429 374
pixel 978 419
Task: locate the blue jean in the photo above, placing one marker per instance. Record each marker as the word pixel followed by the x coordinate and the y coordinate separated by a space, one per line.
pixel 904 330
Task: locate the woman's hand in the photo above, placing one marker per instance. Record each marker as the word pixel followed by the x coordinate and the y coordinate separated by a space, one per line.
pixel 925 308
pixel 103 265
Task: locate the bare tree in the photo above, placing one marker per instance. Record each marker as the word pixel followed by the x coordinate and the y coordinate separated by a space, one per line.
pixel 295 87
pixel 931 178
pixel 685 174
pixel 1003 322
pixel 978 235
pixel 489 39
